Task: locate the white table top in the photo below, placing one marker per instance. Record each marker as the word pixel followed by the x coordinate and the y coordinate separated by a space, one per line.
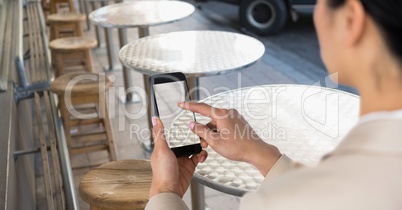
pixel 140 13
pixel 304 122
pixel 195 53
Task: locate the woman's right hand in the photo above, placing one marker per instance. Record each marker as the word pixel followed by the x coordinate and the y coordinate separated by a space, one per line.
pixel 231 136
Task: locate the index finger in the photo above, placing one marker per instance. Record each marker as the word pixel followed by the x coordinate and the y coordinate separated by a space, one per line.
pixel 202 108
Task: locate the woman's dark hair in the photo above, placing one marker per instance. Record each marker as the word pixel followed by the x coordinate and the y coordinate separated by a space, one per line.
pixel 387 14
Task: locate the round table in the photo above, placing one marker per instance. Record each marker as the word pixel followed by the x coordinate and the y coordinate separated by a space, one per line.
pixel 304 122
pixel 194 53
pixel 137 14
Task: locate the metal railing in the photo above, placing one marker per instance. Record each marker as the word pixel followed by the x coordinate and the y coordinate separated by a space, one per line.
pixel 12 73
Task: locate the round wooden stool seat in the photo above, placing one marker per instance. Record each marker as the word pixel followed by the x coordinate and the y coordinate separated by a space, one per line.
pixel 61 5
pixel 122 184
pixel 65 17
pixel 65 25
pixel 69 44
pixel 72 52
pixel 87 83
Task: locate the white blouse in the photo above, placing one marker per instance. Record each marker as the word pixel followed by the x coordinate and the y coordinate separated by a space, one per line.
pixel 383 115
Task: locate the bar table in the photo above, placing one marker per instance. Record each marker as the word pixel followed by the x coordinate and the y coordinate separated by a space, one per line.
pixel 141 15
pixel 304 122
pixel 194 53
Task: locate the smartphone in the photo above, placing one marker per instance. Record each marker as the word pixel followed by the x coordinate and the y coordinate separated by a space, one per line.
pixel 167 90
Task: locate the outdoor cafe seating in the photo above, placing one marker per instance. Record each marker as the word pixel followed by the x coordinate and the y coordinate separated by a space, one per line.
pixel 70 142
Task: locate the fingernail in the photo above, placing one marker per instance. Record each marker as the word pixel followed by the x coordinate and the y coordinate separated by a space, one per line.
pixel 191 125
pixel 154 120
pixel 181 104
pixel 202 159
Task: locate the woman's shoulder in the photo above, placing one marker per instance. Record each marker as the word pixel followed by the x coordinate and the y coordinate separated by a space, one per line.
pixel 367 164
pixel 372 138
pixel 342 181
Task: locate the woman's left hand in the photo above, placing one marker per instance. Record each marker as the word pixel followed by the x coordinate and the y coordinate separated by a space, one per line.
pixel 170 174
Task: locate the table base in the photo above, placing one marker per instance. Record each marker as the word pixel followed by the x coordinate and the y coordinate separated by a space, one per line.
pixel 197 196
pixel 101 45
pixel 147 146
pixel 130 99
pixel 112 68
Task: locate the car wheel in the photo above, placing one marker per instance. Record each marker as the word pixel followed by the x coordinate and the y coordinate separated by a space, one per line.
pixel 263 17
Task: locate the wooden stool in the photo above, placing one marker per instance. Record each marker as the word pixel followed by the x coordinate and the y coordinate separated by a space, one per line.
pixel 57 6
pixel 45 7
pixel 72 52
pixel 122 184
pixel 65 25
pixel 84 112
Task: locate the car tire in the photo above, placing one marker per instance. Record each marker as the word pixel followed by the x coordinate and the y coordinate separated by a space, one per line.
pixel 263 17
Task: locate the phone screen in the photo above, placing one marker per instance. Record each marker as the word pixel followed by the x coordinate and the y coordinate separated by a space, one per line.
pixel 167 96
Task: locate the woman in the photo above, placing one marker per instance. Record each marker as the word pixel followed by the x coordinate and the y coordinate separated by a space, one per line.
pixel 359 39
